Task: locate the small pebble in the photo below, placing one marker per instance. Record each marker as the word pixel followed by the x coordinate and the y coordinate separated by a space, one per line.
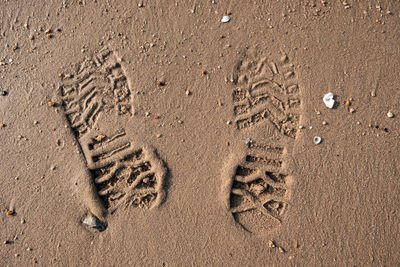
pixel 284 58
pixel 93 222
pixel 390 114
pixel 159 135
pixel 248 140
pixel 100 137
pixel 228 122
pixel 301 127
pixel 188 92
pixel 324 123
pixel 147 114
pixel 373 94
pixel 3 93
pixel 352 110
pixel 9 213
pixel 271 244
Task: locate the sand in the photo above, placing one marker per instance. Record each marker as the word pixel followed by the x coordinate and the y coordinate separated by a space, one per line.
pixel 153 134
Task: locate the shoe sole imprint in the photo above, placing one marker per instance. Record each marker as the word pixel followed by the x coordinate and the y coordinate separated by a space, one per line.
pixel 122 174
pixel 256 187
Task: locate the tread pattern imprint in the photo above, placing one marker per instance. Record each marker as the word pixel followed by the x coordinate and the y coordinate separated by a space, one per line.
pixel 123 173
pixel 257 191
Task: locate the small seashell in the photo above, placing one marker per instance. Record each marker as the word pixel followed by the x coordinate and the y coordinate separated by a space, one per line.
pixel 329 100
pixel 225 19
pixel 316 140
pixel 93 222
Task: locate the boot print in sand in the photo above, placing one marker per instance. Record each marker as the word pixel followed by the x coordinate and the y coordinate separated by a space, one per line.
pixel 257 181
pixel 120 172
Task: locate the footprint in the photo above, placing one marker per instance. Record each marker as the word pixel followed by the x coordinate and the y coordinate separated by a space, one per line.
pixel 256 182
pixel 120 173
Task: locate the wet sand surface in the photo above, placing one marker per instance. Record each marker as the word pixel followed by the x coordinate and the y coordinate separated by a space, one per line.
pixel 154 134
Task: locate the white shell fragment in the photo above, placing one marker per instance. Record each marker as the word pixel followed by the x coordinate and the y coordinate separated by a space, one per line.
pixel 328 100
pixel 225 19
pixel 390 114
pixel 317 140
pixel 93 222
